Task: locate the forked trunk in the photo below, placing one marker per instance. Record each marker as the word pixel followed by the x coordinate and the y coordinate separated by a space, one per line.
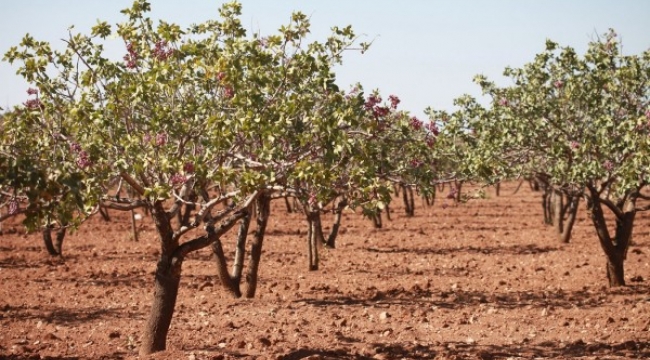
pixel 54 248
pixel 615 248
pixel 232 282
pixel 623 239
pixel 168 274
pixel 47 240
pixel 263 209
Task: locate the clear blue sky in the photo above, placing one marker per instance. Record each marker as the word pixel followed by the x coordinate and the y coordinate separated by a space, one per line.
pixel 424 51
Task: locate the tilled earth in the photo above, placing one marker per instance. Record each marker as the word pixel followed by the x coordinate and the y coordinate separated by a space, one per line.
pixel 480 280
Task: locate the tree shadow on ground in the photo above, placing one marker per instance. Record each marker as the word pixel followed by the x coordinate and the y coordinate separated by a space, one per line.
pixel 131 281
pixel 61 316
pixel 36 357
pixel 531 249
pixel 17 259
pixel 452 350
pixel 322 354
pixel 19 262
pixel 101 279
pixel 456 299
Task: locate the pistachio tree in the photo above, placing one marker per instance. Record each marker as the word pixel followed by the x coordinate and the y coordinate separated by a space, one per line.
pixel 580 123
pixel 200 123
pixel 459 160
pixel 43 173
pixel 404 149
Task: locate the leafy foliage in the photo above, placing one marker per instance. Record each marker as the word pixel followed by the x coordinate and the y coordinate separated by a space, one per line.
pixel 577 120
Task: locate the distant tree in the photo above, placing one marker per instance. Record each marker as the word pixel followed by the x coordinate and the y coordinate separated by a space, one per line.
pixel 43 175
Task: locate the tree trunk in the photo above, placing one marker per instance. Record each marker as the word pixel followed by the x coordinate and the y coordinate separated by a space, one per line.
pixel 288 205
pixel 104 213
pixel 431 197
pixel 557 211
pixel 534 184
pixel 315 238
pixel 521 182
pixel 47 239
pixel 497 189
pixel 58 242
pixel 168 276
pixel 338 211
pixel 615 248
pixel 134 226
pixel 376 219
pixel 184 219
pixel 615 271
pixel 571 214
pixel 232 282
pixel 167 280
pixel 546 204
pixel 459 188
pixel 263 209
pixel 407 197
pixel 312 249
pixel 240 250
pixel 222 270
pixel 427 200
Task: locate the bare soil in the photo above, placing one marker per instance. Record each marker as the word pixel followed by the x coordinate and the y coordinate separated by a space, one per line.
pixel 481 280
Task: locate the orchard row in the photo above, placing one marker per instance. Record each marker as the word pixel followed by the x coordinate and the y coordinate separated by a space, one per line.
pixel 203 127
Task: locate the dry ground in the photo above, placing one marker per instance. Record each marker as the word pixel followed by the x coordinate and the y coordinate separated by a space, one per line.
pixel 482 280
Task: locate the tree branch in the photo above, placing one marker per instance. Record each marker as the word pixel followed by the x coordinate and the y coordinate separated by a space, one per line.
pixel 207 207
pixel 123 204
pixel 212 235
pixel 137 187
pixel 7 216
pixel 611 206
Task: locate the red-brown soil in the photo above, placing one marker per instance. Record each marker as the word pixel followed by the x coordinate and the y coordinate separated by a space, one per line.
pixel 481 280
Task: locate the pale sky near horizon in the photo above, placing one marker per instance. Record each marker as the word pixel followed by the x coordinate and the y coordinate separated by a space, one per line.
pixel 424 51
